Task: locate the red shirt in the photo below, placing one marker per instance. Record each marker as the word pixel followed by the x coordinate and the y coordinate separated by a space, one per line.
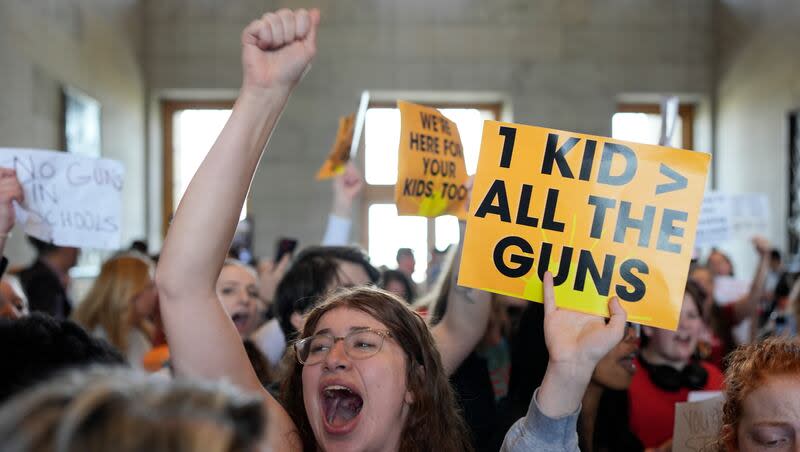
pixel 652 409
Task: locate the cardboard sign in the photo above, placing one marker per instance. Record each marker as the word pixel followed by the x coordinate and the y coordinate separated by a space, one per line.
pixel 606 217
pixel 70 200
pixel 340 151
pixel 432 176
pixel 697 425
pixel 725 217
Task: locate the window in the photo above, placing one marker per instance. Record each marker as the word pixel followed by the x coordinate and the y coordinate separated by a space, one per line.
pixel 384 230
pixel 190 129
pixel 641 123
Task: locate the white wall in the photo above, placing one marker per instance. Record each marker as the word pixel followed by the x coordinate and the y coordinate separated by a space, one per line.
pixel 93 45
pixel 758 84
pixel 564 64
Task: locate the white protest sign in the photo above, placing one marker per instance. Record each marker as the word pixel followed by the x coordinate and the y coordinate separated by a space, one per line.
pixel 70 200
pixel 697 425
pixel 726 217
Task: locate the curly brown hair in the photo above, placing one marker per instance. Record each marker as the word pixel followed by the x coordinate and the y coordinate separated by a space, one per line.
pixel 748 367
pixel 434 422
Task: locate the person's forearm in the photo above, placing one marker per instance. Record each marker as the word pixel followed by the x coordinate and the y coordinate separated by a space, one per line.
pixel 748 306
pixel 466 316
pixel 208 211
pixel 562 389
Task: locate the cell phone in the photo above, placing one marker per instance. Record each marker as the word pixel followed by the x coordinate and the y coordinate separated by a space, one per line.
pixel 285 246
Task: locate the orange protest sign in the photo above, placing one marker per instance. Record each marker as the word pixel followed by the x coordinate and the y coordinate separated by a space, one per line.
pixel 340 151
pixel 431 175
pixel 606 217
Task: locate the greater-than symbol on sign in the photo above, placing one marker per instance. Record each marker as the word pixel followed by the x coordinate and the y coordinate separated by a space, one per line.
pixel 679 181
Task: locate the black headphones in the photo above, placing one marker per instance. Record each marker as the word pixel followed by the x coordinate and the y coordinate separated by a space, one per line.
pixel 693 376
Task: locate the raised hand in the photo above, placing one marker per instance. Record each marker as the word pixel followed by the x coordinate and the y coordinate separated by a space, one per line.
pixel 345 189
pixel 10 190
pixel 278 48
pixel 577 339
pixel 576 342
pixel 270 274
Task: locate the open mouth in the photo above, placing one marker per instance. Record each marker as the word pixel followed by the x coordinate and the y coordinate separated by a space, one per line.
pixel 241 320
pixel 341 407
pixel 683 338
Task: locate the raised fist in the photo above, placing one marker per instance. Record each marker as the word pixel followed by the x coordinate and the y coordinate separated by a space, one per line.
pixel 278 48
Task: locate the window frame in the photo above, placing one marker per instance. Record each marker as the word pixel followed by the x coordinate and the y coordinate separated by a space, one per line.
pixel 685 111
pixel 168 110
pixel 384 194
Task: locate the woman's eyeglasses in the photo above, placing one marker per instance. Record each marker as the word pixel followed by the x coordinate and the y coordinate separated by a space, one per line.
pixel 358 344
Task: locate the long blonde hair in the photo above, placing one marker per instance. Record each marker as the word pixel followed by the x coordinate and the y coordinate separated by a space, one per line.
pixel 109 303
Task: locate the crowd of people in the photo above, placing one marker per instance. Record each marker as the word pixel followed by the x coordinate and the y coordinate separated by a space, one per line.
pixel 196 350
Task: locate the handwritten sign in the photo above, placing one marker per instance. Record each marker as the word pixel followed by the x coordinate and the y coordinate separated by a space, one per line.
pixel 725 217
pixel 606 217
pixel 340 151
pixel 70 200
pixel 432 176
pixel 697 425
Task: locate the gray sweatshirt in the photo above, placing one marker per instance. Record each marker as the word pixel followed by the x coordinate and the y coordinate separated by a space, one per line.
pixel 537 432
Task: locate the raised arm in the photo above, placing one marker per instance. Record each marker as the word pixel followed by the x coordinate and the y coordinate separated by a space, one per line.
pixel 465 319
pixel 747 306
pixel 575 342
pixel 276 50
pixel 10 190
pixel 346 187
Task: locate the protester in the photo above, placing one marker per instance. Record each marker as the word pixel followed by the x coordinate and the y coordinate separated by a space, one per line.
pixel 406 262
pixel 762 397
pixel 192 314
pixel 13 302
pixel 46 281
pixel 237 289
pixel 120 306
pixel 576 343
pixel 122 410
pixel 10 191
pixel 666 371
pixel 722 319
pixel 398 283
pixel 38 346
pixel 603 419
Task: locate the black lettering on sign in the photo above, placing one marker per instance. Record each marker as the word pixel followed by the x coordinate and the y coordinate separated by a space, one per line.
pixel 548 221
pixel 586 265
pixel 423 143
pixel 453 191
pixel 606 160
pixel 524 206
pixel 435 123
pixel 487 206
pixel 625 222
pixel 563 266
pixel 638 287
pixel 453 148
pixel 600 204
pixel 510 135
pixel 555 154
pixel 438 167
pixel 588 160
pixel 668 229
pixel 524 263
pixel 417 187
